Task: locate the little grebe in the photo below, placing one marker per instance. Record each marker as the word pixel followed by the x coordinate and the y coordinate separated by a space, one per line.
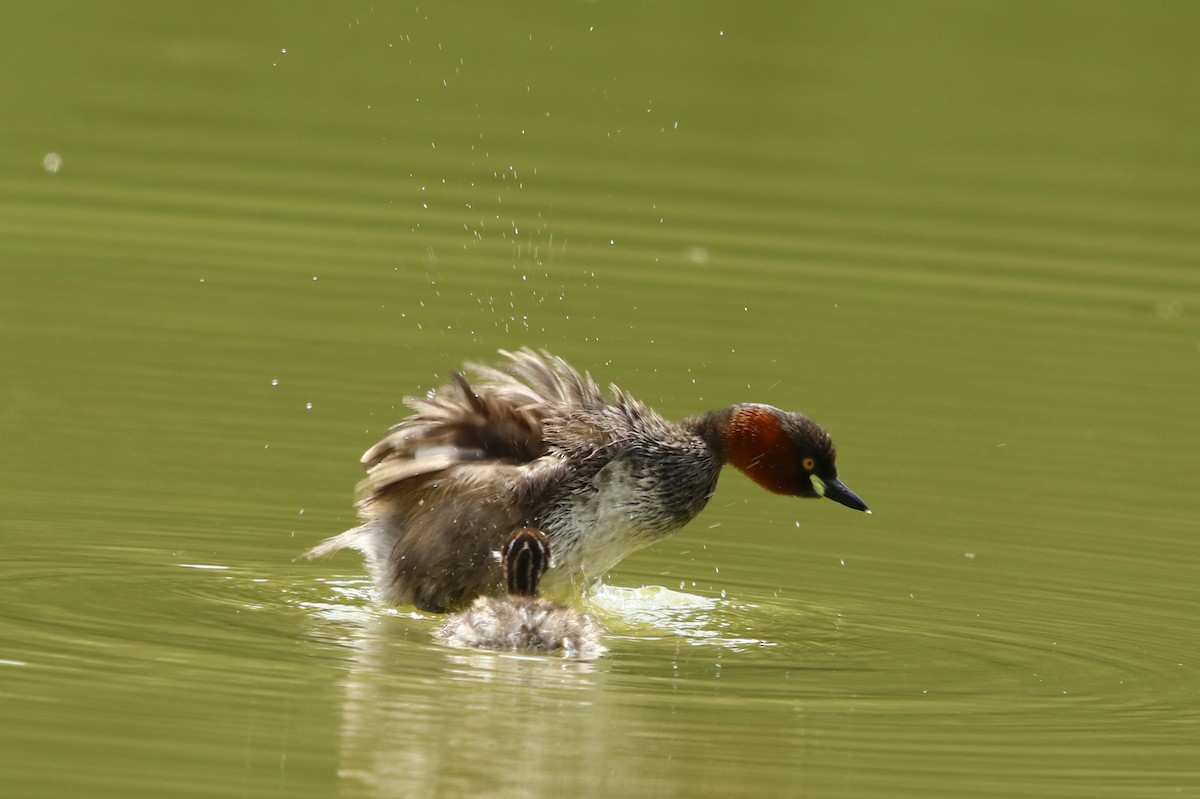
pixel 521 620
pixel 539 446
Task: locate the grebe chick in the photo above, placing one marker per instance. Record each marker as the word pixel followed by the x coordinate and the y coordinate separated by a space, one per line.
pixel 521 620
pixel 540 446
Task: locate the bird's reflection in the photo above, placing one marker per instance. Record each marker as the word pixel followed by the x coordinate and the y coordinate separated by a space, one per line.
pixel 421 719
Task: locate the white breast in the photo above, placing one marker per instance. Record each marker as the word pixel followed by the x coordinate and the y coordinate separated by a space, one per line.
pixel 614 516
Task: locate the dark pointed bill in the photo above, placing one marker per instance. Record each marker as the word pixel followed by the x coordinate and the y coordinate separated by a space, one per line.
pixel 834 489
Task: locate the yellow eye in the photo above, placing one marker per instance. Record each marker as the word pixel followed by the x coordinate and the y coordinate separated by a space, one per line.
pixel 809 464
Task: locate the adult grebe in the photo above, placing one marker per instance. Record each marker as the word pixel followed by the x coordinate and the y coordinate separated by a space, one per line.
pixel 539 446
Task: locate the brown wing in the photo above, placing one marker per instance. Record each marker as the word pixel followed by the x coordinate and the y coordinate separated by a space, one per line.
pixel 492 421
pixel 499 416
pixel 458 424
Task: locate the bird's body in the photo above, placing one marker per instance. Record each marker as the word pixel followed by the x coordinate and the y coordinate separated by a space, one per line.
pixel 540 446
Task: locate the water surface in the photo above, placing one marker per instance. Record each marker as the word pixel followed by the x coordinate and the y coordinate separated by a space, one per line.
pixel 964 238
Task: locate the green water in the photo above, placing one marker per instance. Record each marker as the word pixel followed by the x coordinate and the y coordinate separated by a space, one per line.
pixel 964 237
